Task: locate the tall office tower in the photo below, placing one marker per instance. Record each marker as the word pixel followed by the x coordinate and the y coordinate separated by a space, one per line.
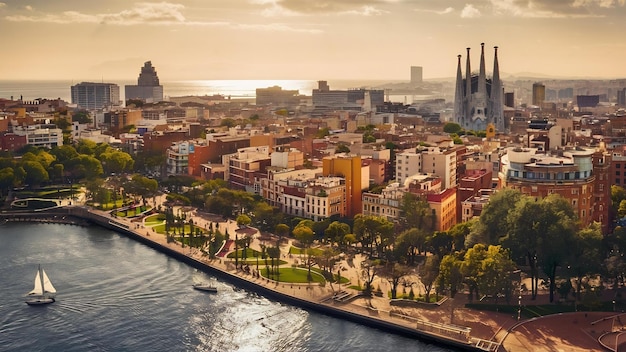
pixel 621 97
pixel 539 94
pixel 416 74
pixel 509 99
pixel 91 96
pixel 147 88
pixel 479 101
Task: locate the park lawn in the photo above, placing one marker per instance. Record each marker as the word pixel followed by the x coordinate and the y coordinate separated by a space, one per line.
pixel 294 275
pixel 314 251
pixel 253 262
pixel 161 229
pixel 132 212
pixel 250 253
pixel 154 219
pixel 111 205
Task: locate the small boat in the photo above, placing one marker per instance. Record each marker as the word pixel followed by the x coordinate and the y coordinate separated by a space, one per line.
pixel 43 292
pixel 205 287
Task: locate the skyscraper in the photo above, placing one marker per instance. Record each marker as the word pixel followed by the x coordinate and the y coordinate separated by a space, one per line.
pixel 479 101
pixel 416 74
pixel 91 96
pixel 539 94
pixel 147 88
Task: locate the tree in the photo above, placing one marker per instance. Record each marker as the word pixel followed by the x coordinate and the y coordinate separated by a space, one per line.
pixel 304 234
pixel 429 272
pixel 336 231
pixel 369 271
pixel 440 243
pixel 450 276
pixel 559 237
pixel 410 244
pixel 7 178
pixel 243 220
pixel 36 174
pixel 451 127
pixel 393 272
pixel 587 245
pixel 542 232
pixel 342 148
pixel 282 230
pixel 415 212
pixel 373 231
pixel 82 117
pixel 493 223
pixel 495 273
pixel 471 268
pixel 115 161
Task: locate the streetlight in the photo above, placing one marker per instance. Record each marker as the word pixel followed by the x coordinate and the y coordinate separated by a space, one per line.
pixel 614 305
pixel 519 297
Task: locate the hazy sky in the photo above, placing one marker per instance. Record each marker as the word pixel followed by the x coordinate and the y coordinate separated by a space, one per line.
pixel 307 39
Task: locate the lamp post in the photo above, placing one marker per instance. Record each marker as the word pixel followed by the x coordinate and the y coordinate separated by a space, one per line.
pixel 519 297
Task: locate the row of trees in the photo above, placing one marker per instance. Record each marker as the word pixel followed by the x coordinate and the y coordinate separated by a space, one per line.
pixel 67 163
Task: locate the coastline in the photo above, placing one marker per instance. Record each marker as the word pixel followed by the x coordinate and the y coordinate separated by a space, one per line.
pixel 479 331
pixel 310 297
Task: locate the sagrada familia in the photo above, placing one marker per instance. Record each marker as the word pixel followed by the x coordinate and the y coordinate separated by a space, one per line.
pixel 479 101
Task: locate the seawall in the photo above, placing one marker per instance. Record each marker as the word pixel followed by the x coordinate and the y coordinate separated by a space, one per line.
pixel 84 215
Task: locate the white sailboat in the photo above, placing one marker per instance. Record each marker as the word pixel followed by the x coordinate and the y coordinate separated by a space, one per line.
pixel 43 293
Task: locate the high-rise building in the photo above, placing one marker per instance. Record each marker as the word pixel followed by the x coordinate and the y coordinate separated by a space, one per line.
pixel 91 96
pixel 479 101
pixel 539 94
pixel 509 99
pixel 416 74
pixel 147 88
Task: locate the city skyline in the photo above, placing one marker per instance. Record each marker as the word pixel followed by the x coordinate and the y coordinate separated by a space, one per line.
pixel 308 39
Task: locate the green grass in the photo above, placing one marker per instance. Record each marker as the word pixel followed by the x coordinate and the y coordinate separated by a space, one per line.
pixel 154 219
pixel 132 212
pixel 252 262
pixel 250 253
pixel 161 229
pixel 314 251
pixel 294 275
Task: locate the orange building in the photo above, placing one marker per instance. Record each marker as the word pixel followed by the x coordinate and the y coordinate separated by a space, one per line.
pixel 349 167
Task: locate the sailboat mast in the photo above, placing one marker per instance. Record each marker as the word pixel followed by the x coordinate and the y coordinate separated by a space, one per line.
pixel 43 289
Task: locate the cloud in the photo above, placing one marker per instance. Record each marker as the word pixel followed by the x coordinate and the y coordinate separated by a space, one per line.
pixel 336 7
pixel 28 7
pixel 469 11
pixel 2 4
pixel 600 3
pixel 553 8
pixel 151 13
pixel 162 13
pixel 445 11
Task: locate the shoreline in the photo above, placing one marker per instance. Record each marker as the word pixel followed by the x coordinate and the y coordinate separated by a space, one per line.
pixel 307 296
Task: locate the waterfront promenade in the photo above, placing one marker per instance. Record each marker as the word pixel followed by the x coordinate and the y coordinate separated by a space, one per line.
pixel 449 323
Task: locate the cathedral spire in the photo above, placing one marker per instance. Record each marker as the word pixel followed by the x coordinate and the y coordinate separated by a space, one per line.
pixel 497 97
pixel 482 76
pixel 458 93
pixel 468 76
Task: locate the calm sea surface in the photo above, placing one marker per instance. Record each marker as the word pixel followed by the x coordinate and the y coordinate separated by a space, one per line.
pixel 115 294
pixel 30 90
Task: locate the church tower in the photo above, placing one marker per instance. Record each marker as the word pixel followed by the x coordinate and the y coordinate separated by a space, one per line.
pixel 478 100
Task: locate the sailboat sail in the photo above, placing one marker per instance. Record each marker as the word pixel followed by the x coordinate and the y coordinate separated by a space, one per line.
pixel 47 284
pixel 43 292
pixel 38 290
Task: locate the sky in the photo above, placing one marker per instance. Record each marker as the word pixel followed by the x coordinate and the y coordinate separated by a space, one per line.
pixel 308 39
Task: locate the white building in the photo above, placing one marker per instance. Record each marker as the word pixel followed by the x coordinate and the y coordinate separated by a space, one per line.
pixel 47 136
